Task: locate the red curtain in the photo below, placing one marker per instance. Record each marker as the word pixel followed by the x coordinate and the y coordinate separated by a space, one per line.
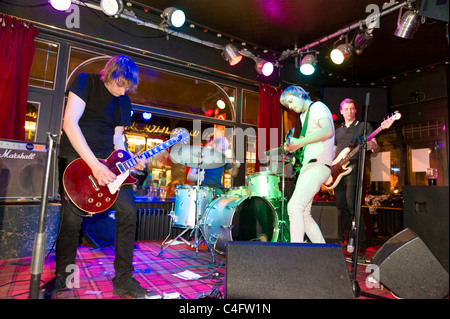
pixel 16 58
pixel 269 117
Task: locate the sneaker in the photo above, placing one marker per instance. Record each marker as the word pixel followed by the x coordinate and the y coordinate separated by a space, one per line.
pixel 129 287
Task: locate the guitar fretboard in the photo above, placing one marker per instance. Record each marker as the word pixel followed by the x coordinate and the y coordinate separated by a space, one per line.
pixel 130 163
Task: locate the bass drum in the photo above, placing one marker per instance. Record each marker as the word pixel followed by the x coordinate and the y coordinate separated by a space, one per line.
pixel 239 218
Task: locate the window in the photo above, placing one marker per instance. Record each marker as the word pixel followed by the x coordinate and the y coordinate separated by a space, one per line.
pixel 43 69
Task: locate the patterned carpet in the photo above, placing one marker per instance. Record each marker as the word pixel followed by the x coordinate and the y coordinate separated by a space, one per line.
pixel 162 274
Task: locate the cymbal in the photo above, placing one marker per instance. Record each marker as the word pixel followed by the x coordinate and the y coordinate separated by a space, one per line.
pixel 197 156
pixel 276 151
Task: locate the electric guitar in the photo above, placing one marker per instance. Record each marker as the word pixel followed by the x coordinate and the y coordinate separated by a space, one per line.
pixel 85 192
pixel 339 165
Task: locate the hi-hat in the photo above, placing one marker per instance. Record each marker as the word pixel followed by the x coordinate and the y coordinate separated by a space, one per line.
pixel 197 156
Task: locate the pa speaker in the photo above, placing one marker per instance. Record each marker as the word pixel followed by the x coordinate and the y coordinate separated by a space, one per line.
pixel 409 269
pixel 256 270
pixel 23 170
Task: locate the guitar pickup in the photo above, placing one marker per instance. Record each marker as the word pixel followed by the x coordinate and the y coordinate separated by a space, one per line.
pixel 121 168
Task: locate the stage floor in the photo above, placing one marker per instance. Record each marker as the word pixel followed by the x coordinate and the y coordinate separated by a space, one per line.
pixel 163 274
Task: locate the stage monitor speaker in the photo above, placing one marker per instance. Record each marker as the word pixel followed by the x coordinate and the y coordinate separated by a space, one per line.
pixel 409 269
pixel 257 270
pixel 23 171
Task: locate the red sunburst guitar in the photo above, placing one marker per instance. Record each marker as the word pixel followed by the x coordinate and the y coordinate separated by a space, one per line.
pixel 339 165
pixel 83 189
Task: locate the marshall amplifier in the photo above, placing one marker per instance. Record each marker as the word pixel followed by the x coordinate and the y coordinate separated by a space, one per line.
pixel 23 171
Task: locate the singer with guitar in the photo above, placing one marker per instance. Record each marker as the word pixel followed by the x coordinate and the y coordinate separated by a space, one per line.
pixel 98 108
pixel 345 191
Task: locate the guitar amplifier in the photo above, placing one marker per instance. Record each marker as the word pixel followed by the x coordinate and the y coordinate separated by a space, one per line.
pixel 23 171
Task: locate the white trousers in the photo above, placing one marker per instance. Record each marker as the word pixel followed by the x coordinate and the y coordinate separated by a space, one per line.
pixel 311 178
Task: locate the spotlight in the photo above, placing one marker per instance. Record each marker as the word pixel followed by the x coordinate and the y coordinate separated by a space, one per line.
pixel 263 67
pixel 231 54
pixel 341 53
pixel 308 64
pixel 173 17
pixel 362 41
pixel 407 25
pixel 61 5
pixel 112 8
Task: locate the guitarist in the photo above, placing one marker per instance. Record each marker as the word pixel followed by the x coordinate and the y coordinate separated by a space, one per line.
pixel 345 191
pixel 98 108
pixel 316 143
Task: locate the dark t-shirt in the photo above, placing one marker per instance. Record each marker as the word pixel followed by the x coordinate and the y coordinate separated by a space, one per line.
pixel 103 112
pixel 344 136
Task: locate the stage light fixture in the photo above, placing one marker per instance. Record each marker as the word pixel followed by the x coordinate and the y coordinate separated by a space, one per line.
pixel 308 64
pixel 61 5
pixel 231 54
pixel 407 25
pixel 341 53
pixel 173 17
pixel 362 41
pixel 112 8
pixel 263 67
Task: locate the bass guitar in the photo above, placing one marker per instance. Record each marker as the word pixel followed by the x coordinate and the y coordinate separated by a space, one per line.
pixel 339 165
pixel 84 191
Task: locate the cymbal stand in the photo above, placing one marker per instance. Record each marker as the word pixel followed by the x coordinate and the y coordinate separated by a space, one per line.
pixel 282 223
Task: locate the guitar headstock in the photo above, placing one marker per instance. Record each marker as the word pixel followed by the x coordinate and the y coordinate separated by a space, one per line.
pixel 387 123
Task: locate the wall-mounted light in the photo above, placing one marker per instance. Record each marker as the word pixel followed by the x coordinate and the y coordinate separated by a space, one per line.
pixel 308 64
pixel 61 5
pixel 263 67
pixel 112 8
pixel 231 54
pixel 173 17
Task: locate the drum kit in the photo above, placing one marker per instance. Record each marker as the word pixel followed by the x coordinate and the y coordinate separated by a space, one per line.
pixel 255 212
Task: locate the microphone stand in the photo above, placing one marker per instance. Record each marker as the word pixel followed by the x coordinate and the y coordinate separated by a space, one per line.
pixel 359 186
pixel 37 261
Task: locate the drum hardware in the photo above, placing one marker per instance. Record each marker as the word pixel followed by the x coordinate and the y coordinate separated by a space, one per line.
pixel 285 158
pixel 200 158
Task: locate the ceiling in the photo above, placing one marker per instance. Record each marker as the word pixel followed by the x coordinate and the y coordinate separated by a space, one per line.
pixel 281 25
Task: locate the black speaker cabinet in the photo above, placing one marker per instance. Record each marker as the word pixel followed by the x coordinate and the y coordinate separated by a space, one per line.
pixel 326 216
pixel 257 270
pixel 425 212
pixel 409 269
pixel 23 171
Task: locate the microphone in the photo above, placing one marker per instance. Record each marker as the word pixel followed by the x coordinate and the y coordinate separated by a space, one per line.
pixel 351 239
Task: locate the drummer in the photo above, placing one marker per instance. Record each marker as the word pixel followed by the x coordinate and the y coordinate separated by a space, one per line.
pixel 212 177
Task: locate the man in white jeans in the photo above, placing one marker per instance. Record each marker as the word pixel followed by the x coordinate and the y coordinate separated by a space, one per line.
pixel 317 147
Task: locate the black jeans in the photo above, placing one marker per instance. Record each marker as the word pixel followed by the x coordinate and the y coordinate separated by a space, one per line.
pixel 345 193
pixel 71 219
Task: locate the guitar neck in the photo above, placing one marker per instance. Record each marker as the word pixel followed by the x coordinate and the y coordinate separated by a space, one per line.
pixel 356 149
pixel 132 162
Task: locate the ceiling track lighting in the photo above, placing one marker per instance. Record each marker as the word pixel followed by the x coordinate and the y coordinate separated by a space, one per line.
pixel 112 8
pixel 362 40
pixel 61 5
pixel 231 54
pixel 308 63
pixel 343 52
pixel 263 67
pixel 408 24
pixel 173 17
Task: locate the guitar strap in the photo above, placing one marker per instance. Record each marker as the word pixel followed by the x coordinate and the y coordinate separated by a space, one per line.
pixel 303 133
pixel 123 123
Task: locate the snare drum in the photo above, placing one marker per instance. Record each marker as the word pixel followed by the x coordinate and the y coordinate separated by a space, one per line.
pixel 264 184
pixel 241 218
pixel 186 195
